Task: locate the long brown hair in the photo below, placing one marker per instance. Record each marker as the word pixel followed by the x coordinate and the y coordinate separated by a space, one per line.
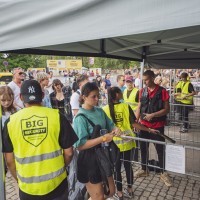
pixel 7 93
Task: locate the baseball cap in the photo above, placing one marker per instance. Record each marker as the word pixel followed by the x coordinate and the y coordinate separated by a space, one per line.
pixel 129 78
pixel 31 91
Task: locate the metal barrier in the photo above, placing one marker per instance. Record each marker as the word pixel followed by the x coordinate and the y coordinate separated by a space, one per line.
pixel 183 116
pixel 187 167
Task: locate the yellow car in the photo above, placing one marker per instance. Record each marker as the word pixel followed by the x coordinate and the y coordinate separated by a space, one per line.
pixel 5 78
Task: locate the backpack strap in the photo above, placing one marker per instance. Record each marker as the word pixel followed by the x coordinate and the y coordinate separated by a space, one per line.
pixel 91 123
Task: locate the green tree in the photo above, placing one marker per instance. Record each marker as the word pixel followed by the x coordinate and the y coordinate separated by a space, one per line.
pixel 35 61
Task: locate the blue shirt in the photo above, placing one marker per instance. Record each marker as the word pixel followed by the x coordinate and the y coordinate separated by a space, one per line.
pixel 122 88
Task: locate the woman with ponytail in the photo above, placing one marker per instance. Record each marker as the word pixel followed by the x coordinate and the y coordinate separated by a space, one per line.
pixel 124 118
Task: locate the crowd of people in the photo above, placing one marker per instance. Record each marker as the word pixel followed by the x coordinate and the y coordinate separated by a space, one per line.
pixel 44 120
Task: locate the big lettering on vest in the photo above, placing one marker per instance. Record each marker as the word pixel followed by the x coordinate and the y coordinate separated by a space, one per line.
pixel 34 133
pixel 123 123
pixel 152 105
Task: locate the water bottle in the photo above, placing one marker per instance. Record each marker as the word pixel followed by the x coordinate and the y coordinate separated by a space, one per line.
pixel 103 132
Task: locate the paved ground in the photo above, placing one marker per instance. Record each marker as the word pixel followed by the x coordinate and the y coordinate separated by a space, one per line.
pixel 184 188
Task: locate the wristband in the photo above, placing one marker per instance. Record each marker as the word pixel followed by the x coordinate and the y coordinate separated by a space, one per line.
pixel 149 130
pixel 104 138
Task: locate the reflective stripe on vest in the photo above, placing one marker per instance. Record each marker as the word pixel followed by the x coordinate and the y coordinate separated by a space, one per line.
pixel 39 158
pixel 123 141
pixel 131 100
pixel 34 133
pixel 38 179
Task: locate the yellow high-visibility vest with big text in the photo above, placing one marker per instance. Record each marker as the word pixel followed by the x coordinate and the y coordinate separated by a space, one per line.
pixel 123 123
pixel 131 100
pixel 34 133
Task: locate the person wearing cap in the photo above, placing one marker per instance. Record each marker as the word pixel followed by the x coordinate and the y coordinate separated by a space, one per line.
pixel 15 85
pixel 131 94
pixel 37 142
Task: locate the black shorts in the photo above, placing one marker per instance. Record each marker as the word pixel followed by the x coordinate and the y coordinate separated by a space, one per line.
pixel 87 167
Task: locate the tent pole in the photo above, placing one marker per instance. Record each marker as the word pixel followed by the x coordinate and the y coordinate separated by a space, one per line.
pixel 170 86
pixel 2 168
pixel 141 73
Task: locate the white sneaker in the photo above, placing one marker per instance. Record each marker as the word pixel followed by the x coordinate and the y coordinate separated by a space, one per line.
pixel 166 179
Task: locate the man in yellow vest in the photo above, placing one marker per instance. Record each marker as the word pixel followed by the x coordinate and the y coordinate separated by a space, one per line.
pixel 131 94
pixel 37 142
pixel 185 95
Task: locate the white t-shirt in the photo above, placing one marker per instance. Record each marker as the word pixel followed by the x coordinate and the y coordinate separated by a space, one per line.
pixel 74 101
pixel 137 82
pixel 50 89
pixel 16 90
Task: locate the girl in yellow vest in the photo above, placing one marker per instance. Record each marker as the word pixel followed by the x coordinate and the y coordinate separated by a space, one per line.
pixel 124 118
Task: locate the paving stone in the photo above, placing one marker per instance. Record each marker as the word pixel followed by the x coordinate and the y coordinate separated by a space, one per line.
pixel 173 189
pixel 160 198
pixel 179 193
pixel 171 193
pixel 143 198
pixel 186 198
pixel 195 196
pixel 154 194
pixel 187 194
pixel 152 198
pixel 169 197
pixel 146 194
pixel 162 194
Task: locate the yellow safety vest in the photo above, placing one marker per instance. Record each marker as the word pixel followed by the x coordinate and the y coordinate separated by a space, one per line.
pixel 131 100
pixel 123 123
pixel 34 133
pixel 184 92
pixel 178 86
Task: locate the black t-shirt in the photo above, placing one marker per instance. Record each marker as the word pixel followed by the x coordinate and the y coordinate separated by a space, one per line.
pixel 132 117
pixel 67 138
pixel 75 86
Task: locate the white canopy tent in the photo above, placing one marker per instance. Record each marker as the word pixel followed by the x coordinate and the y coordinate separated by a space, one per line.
pixel 164 33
